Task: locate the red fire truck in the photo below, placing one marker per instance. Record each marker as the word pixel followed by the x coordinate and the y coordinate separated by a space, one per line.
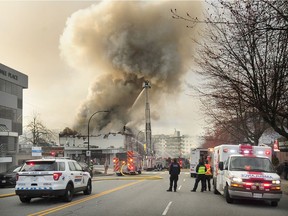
pixel 129 162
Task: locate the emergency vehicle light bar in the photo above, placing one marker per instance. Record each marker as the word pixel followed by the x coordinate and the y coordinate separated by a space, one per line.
pixel 245 149
pixel 225 150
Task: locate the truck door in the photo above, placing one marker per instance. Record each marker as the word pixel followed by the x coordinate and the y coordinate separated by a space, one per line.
pixel 75 174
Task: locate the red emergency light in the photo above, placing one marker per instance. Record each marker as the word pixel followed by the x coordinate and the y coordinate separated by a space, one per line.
pixel 30 163
pixel 245 149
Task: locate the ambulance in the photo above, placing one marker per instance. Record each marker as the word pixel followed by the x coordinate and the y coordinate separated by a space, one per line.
pixel 245 172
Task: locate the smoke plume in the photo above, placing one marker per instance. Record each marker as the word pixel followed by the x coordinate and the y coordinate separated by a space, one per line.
pixel 125 43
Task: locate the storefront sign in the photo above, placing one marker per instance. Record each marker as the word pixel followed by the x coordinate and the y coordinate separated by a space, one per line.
pixel 5 159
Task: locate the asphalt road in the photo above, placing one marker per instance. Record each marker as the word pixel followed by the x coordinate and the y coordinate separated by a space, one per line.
pixel 141 195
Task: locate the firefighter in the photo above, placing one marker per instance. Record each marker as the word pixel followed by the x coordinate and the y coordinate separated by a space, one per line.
pixel 174 171
pixel 200 170
pixel 208 175
pixel 106 166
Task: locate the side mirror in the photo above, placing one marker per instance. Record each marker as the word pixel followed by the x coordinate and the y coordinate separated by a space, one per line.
pixel 221 165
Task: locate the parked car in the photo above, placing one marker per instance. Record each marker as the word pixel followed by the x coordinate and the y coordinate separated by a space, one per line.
pixel 8 178
pixel 57 177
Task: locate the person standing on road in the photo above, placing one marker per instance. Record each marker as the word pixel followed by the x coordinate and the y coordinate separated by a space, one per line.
pixel 200 170
pixel 174 171
pixel 106 166
pixel 208 175
pixel 285 170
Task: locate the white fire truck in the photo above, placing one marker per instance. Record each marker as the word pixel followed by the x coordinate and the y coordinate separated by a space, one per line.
pixel 195 155
pixel 245 172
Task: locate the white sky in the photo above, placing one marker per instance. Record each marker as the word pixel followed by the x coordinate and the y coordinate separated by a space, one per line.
pixel 29 41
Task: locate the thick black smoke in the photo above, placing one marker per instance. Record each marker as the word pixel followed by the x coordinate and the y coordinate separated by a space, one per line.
pixel 125 43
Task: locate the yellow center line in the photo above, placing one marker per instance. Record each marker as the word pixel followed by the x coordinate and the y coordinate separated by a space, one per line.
pixel 58 208
pixel 6 195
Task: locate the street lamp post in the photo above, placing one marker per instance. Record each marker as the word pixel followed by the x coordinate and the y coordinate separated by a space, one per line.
pixel 88 154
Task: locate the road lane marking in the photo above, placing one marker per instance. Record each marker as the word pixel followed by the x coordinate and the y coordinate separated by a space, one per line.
pixel 7 195
pixel 58 208
pixel 128 178
pixel 167 208
pixel 179 187
pixel 184 180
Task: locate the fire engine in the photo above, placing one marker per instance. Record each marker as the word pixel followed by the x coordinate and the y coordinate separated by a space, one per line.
pixel 129 162
pixel 245 172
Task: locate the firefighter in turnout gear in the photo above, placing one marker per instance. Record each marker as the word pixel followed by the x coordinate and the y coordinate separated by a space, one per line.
pixel 174 171
pixel 208 176
pixel 200 170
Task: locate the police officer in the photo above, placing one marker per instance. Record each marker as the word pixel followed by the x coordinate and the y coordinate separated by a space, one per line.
pixel 200 170
pixel 174 171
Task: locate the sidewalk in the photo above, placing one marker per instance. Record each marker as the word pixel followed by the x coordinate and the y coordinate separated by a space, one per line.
pixel 99 171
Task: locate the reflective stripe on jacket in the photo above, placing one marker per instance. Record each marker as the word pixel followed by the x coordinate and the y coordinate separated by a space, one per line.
pixel 201 170
pixel 208 167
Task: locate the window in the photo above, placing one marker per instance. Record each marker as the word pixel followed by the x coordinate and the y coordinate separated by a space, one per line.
pixel 2 85
pixel 61 166
pixel 78 167
pixel 39 166
pixel 72 166
pixel 8 87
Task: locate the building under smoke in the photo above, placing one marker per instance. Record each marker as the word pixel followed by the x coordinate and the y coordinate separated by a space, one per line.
pixel 124 43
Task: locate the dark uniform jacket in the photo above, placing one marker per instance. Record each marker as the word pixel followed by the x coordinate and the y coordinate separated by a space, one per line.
pixel 174 169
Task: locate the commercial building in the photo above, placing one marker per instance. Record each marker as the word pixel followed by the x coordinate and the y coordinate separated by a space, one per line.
pixel 102 148
pixel 12 83
pixel 173 146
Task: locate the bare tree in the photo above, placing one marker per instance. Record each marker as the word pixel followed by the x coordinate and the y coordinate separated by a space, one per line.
pixel 245 54
pixel 37 133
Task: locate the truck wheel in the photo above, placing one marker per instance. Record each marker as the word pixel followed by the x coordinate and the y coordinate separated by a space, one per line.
pixel 274 203
pixel 227 196
pixel 88 189
pixel 68 193
pixel 25 199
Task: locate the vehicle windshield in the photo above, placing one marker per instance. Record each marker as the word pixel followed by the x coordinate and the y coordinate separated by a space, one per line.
pixel 255 164
pixel 39 166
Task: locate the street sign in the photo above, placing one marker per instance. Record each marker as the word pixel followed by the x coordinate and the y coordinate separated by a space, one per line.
pixel 36 151
pixel 88 153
